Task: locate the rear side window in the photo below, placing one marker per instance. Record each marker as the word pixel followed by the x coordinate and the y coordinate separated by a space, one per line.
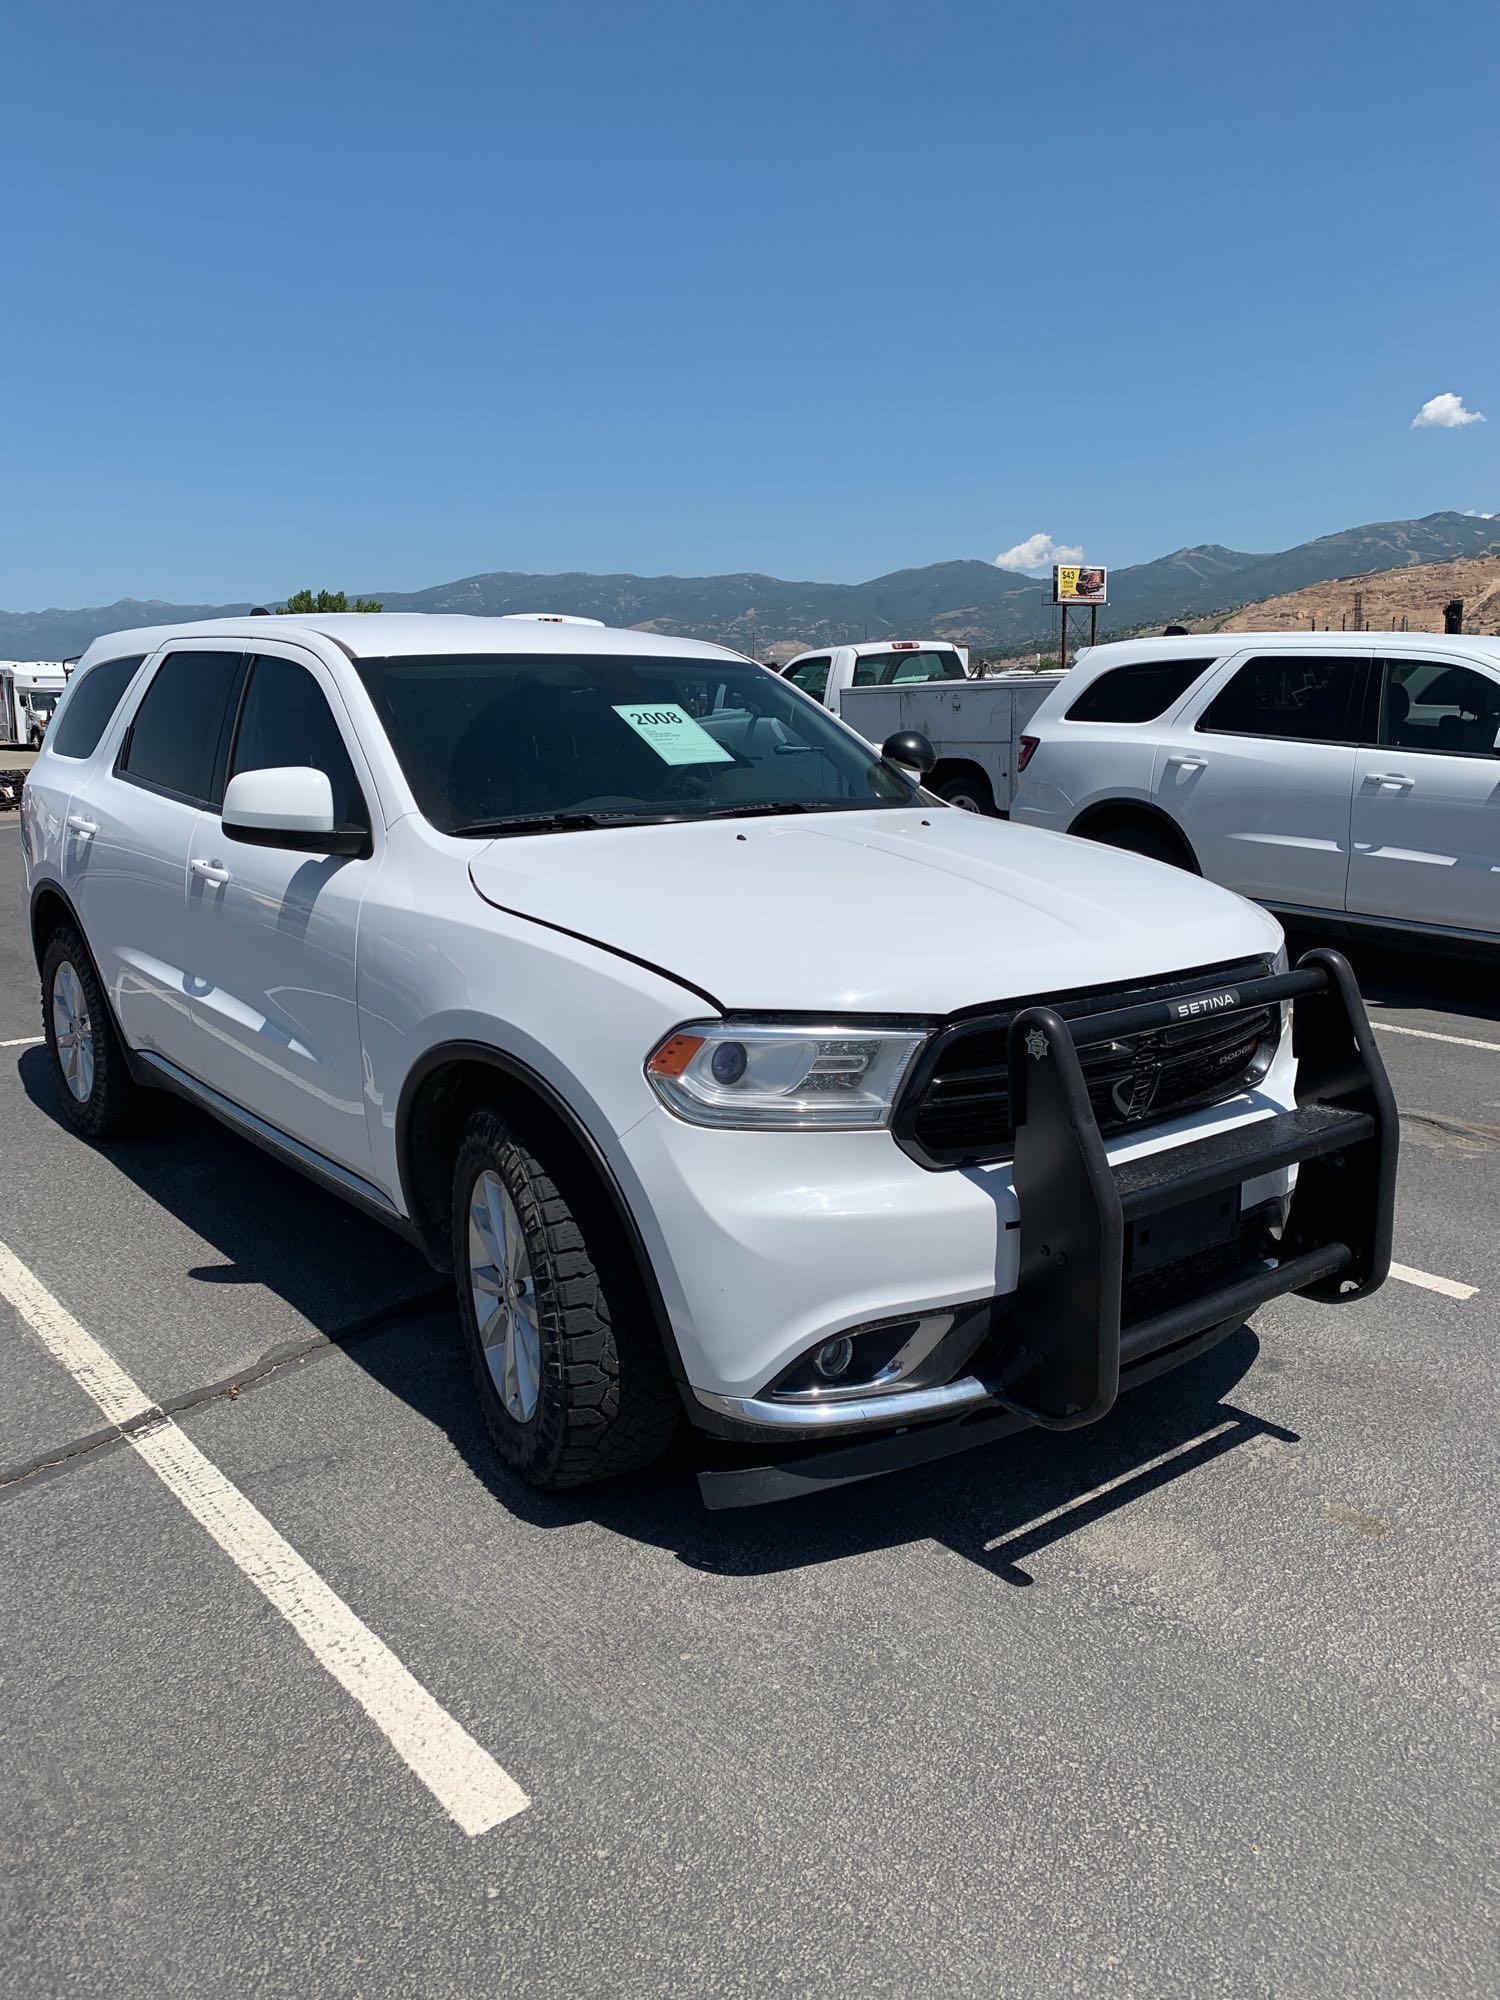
pixel 286 720
pixel 1297 697
pixel 173 742
pixel 1136 693
pixel 812 676
pixel 90 703
pixel 1429 705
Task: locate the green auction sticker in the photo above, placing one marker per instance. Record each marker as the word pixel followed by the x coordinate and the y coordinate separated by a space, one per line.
pixel 672 733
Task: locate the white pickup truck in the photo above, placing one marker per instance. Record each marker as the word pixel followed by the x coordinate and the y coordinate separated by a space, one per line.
pixel 891 686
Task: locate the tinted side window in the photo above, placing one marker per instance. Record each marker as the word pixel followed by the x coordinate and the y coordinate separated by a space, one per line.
pixel 89 704
pixel 285 720
pixel 1137 693
pixel 1428 705
pixel 1294 696
pixel 173 742
pixel 812 676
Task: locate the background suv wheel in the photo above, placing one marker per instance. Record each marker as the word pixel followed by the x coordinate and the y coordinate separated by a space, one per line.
pixel 1148 837
pixel 566 1357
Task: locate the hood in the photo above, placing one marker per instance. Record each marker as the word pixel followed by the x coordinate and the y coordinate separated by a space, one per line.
pixel 918 912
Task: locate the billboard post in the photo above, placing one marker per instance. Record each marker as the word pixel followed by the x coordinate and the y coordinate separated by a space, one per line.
pixel 1074 583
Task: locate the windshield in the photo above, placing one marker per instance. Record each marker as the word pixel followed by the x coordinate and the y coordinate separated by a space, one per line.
pixel 488 744
pixel 41 704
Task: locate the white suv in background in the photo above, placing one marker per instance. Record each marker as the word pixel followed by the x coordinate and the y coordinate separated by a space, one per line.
pixel 728 1073
pixel 1346 775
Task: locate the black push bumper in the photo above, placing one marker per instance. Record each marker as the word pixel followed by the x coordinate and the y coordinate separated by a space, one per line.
pixel 1069 1341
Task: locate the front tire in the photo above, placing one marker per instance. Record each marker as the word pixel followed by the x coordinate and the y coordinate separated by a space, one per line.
pixel 566 1359
pixel 100 1098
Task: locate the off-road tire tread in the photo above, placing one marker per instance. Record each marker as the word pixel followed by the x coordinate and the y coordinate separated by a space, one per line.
pixel 608 1403
pixel 117 1105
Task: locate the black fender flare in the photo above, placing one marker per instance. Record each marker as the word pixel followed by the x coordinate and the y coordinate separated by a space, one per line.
pixel 552 1099
pixel 1145 809
pixel 40 891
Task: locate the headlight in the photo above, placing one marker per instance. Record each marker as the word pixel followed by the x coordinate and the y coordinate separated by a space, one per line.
pixel 826 1077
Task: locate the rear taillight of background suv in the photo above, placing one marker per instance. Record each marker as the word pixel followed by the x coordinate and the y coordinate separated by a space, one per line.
pixel 1028 746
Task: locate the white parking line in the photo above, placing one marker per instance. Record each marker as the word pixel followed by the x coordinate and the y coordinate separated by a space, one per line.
pixel 22 1042
pixel 464 1778
pixel 1429 1035
pixel 1449 1287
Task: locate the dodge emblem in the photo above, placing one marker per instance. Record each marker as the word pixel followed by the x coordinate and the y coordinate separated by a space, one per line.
pixel 1134 1093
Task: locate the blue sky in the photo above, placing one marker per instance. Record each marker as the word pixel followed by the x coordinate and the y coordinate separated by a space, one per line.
pixel 377 296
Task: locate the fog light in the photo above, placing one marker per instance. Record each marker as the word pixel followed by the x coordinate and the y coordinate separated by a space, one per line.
pixel 833 1358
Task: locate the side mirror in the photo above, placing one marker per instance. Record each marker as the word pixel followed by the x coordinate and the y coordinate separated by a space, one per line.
pixel 910 750
pixel 289 806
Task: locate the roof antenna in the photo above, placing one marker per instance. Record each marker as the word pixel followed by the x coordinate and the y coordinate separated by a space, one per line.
pixel 259 611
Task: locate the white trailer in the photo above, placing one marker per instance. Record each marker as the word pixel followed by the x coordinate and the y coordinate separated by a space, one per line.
pixel 29 691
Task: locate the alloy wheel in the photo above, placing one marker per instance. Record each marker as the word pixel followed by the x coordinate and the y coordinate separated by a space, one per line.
pixel 74 1031
pixel 503 1290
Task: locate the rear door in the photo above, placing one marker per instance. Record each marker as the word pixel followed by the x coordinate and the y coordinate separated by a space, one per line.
pixel 1258 770
pixel 1426 812
pixel 273 931
pixel 129 830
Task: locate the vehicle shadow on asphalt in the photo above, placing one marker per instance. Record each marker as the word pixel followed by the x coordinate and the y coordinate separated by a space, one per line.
pixel 1000 1505
pixel 1446 980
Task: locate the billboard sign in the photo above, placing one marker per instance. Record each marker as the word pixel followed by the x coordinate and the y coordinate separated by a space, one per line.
pixel 1074 584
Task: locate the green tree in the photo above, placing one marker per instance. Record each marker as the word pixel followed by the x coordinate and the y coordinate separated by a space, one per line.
pixel 328 600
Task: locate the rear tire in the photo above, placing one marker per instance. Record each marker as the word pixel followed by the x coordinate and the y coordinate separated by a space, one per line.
pixel 970 792
pixel 567 1362
pixel 1138 836
pixel 100 1098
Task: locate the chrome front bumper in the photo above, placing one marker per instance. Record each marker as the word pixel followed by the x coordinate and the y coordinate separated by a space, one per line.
pixel 831 1418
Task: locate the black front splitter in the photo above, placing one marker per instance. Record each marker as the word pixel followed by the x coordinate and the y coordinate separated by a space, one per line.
pixel 920 1444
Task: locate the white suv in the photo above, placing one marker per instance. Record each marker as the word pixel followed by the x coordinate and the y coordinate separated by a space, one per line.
pixel 1346 775
pixel 642 994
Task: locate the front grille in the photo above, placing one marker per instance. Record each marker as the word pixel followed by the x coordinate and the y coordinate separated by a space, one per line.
pixel 1151 1292
pixel 961 1114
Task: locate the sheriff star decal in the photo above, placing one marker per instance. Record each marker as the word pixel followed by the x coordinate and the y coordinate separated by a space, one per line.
pixel 1036 1044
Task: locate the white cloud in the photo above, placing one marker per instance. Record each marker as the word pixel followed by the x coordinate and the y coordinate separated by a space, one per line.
pixel 1445 413
pixel 1037 554
pixel 1478 514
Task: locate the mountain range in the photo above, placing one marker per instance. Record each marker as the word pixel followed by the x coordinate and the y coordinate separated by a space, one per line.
pixel 969 601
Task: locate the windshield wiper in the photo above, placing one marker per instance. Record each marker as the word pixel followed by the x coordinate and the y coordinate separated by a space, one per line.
pixel 574 819
pixel 585 818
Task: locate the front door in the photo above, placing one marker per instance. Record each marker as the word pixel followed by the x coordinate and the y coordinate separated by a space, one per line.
pixel 1258 770
pixel 1426 822
pixel 274 931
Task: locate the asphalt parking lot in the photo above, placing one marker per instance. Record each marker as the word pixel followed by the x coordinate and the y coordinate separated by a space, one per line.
pixel 1198 1701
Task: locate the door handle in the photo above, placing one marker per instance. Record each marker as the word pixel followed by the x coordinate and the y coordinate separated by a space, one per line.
pixel 1397 778
pixel 210 871
pixel 1187 763
pixel 78 824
